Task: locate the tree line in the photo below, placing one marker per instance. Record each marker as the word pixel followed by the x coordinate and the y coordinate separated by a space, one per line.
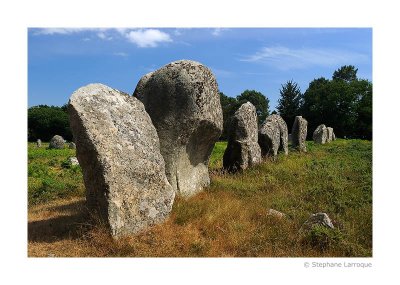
pixel 343 103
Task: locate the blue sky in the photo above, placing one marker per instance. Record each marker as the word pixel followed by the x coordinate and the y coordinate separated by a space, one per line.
pixel 60 60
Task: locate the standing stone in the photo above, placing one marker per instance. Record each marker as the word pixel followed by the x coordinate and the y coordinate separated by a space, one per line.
pixel 318 219
pixel 38 143
pixel 329 137
pixel 320 134
pixel 72 145
pixel 268 138
pixel 57 142
pixel 283 132
pixel 333 136
pixel 299 133
pixel 118 150
pixel 183 102
pixel 243 149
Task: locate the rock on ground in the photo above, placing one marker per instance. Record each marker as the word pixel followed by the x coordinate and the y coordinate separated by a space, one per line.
pixel 318 219
pixel 275 213
pixel 183 102
pixel 299 133
pixel 243 149
pixel 72 145
pixel 57 142
pixel 118 150
pixel 320 134
pixel 269 138
pixel 73 161
pixel 38 143
pixel 329 137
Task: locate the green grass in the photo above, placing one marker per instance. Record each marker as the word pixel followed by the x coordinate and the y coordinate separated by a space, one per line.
pixel 49 176
pixel 230 217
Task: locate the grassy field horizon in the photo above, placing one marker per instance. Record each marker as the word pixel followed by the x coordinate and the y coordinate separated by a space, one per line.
pixel 228 219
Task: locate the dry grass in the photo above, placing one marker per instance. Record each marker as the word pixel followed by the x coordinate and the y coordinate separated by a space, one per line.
pixel 230 218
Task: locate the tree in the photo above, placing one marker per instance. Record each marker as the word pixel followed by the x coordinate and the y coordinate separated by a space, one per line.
pixel 289 102
pixel 347 73
pixel 229 107
pixel 258 100
pixel 46 121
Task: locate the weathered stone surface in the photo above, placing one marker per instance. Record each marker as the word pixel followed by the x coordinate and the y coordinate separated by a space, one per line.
pixel 320 134
pixel 329 136
pixel 299 133
pixel 243 149
pixel 275 213
pixel 269 138
pixel 318 219
pixel 118 150
pixel 73 161
pixel 333 136
pixel 38 143
pixel 57 142
pixel 71 145
pixel 183 102
pixel 283 131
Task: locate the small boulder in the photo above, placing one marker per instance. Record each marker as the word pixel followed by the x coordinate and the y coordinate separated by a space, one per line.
pixel 243 149
pixel 119 153
pixel 71 145
pixel 320 134
pixel 56 142
pixel 183 102
pixel 299 133
pixel 275 213
pixel 318 219
pixel 73 161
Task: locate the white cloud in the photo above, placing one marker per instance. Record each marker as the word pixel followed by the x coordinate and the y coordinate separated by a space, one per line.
pixel 147 38
pixel 286 58
pixel 104 36
pixel 59 31
pixel 217 31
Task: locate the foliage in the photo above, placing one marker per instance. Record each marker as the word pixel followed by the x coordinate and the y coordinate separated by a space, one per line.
pixel 258 100
pixel 344 103
pixel 289 102
pixel 229 218
pixel 46 121
pixel 229 106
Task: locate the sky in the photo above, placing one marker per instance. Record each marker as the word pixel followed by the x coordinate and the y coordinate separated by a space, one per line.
pixel 61 60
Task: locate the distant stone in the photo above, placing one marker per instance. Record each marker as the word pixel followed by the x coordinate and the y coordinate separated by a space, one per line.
pixel 283 131
pixel 333 136
pixel 318 219
pixel 329 137
pixel 183 102
pixel 118 150
pixel 72 145
pixel 269 138
pixel 73 161
pixel 38 143
pixel 320 134
pixel 57 142
pixel 275 213
pixel 243 149
pixel 290 138
pixel 299 133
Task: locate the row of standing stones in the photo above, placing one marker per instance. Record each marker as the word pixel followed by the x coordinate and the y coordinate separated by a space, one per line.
pixel 56 142
pixel 138 152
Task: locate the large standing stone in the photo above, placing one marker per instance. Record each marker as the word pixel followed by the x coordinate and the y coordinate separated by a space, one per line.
pixel 320 134
pixel 118 150
pixel 243 149
pixel 183 102
pixel 329 137
pixel 283 132
pixel 57 142
pixel 299 133
pixel 268 138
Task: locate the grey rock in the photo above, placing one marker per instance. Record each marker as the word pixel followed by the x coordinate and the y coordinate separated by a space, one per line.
pixel 56 142
pixel 299 133
pixel 118 150
pixel 275 213
pixel 282 132
pixel 73 161
pixel 183 102
pixel 243 149
pixel 329 136
pixel 38 143
pixel 71 145
pixel 269 138
pixel 333 136
pixel 320 134
pixel 318 219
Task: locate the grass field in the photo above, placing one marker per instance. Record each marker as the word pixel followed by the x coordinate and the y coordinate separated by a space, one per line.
pixel 230 218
